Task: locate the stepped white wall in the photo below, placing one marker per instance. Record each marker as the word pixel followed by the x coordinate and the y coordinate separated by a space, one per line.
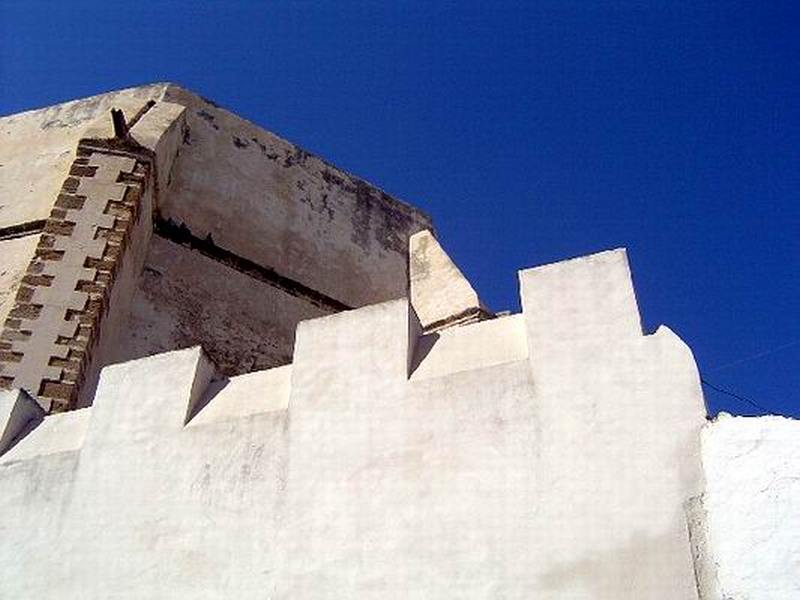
pixel 543 455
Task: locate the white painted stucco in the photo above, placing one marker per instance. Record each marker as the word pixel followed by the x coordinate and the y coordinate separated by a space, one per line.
pixel 752 507
pixel 553 465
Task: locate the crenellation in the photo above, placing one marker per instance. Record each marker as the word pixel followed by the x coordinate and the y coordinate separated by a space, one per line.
pixel 52 435
pixel 244 396
pixel 469 347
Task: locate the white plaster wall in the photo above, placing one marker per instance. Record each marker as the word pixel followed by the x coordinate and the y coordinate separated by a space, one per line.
pixel 37 478
pixel 148 508
pixel 478 345
pixel 560 476
pixel 550 471
pixel 752 507
pixel 620 449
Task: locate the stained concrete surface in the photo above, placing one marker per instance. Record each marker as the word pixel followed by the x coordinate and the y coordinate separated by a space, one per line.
pixel 280 206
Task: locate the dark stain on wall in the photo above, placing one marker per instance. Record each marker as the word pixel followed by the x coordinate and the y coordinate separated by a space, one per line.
pixel 208 117
pixel 295 156
pixel 392 222
pixel 180 234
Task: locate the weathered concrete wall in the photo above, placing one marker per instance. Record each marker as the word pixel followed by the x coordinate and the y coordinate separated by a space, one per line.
pixel 752 508
pixel 277 205
pixel 185 298
pixel 544 468
pixel 256 194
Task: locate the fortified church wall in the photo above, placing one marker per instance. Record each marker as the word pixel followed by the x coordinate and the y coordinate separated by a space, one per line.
pixel 204 228
pixel 383 461
pixel 415 447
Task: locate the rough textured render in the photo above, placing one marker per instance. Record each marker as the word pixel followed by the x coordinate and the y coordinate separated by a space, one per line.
pixel 383 463
pixel 752 507
pixel 439 291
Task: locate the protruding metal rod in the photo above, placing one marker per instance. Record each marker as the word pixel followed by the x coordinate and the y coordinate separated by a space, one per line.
pixel 120 126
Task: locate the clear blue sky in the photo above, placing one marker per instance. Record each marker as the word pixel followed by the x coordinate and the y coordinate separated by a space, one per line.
pixel 532 132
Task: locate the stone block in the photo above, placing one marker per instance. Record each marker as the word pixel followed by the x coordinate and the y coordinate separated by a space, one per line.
pixel 160 130
pixel 149 131
pixel 440 293
pixel 39 348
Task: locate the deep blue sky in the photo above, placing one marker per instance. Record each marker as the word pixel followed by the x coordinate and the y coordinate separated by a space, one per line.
pixel 532 132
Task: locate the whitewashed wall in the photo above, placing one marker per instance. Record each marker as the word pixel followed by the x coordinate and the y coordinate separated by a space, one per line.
pixel 545 455
pixel 752 508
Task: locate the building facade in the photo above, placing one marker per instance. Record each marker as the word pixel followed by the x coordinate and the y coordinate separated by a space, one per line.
pixel 232 370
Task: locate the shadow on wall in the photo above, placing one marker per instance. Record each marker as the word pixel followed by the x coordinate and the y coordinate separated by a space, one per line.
pixel 215 386
pixel 424 345
pixel 646 563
